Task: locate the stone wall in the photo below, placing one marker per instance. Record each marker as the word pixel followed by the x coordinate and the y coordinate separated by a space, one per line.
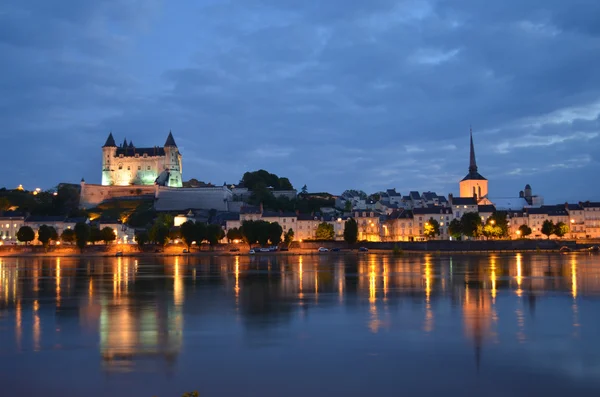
pixel 180 199
pixel 92 195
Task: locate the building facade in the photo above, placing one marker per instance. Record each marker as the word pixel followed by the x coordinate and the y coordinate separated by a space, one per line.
pixel 126 164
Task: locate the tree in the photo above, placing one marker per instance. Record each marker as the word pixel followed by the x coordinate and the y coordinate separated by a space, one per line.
pixel 261 177
pixel 95 235
pixel 548 228
pixel 455 229
pixel 524 231
pixel 68 236
pixel 249 231
pixel 201 232
pixel 560 229
pixel 471 224
pixel 348 206
pixel 159 233
pixel 234 234
pixel 499 220
pixel 44 235
pixel 5 204
pixel 142 238
pixel 214 233
pixel 351 231
pixel 25 234
pixel 264 230
pixel 325 231
pixel 289 237
pixel 304 189
pixel 82 234
pixel 188 233
pixel 53 233
pixel 432 228
pixel 275 231
pixel 108 235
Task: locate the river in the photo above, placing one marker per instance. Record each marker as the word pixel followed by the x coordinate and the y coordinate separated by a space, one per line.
pixel 314 325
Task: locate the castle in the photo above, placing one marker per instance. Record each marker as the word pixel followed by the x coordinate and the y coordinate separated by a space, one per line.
pixel 127 164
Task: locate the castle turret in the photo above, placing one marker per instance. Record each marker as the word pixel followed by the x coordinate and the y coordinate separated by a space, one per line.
pixel 109 152
pixel 173 162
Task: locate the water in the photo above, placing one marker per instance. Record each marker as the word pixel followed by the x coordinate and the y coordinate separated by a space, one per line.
pixel 320 325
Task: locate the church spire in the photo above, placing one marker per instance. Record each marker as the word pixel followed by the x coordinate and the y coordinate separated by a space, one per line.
pixel 472 162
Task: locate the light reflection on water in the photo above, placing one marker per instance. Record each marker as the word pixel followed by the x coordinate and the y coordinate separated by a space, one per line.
pixel 154 321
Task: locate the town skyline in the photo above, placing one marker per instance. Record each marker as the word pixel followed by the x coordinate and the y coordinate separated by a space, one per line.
pixel 367 97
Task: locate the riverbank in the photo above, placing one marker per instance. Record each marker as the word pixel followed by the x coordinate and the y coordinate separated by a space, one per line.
pixel 309 248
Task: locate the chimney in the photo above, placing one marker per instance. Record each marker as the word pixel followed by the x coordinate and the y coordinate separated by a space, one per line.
pixel 261 207
pixel 450 197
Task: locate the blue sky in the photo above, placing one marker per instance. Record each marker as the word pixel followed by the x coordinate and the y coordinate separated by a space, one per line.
pixel 335 94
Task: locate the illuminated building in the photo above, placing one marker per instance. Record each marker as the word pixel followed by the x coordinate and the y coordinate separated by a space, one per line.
pixel 473 185
pixel 127 164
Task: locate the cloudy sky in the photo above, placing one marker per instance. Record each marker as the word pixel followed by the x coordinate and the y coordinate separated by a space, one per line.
pixel 335 94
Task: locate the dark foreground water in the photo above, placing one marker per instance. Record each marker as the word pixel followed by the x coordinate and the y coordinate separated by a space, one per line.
pixel 323 325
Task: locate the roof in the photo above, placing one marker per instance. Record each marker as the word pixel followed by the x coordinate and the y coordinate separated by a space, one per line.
pixel 132 151
pixel 11 214
pixel 588 204
pixel 429 196
pixel 551 210
pixel 392 192
pixel 474 176
pixel 77 220
pixel 464 201
pixel 277 214
pixel 432 211
pixel 42 219
pixel 110 141
pixel 170 140
pixel 573 207
pixel 401 214
pixel 486 208
pixel 248 209
pixel 509 203
pixel 442 199
pixel 414 195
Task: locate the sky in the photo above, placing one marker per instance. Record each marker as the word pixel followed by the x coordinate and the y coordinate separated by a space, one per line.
pixel 334 94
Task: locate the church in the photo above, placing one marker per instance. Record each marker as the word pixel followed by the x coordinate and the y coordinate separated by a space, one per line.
pixel 127 165
pixel 473 185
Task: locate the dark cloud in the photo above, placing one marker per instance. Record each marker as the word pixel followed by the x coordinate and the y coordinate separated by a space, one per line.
pixel 336 94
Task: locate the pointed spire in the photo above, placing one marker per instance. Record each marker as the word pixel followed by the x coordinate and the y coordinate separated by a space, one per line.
pixel 110 141
pixel 170 140
pixel 125 143
pixel 472 162
pixel 131 144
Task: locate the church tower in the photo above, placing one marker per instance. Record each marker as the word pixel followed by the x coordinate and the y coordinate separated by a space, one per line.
pixel 109 151
pixel 173 162
pixel 473 185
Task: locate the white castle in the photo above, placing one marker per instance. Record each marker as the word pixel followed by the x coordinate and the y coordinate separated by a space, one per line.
pixel 127 165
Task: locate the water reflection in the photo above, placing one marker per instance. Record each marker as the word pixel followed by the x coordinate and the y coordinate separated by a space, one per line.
pixel 145 311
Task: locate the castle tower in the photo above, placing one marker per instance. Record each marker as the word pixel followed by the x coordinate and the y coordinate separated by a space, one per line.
pixel 173 162
pixel 109 151
pixel 473 185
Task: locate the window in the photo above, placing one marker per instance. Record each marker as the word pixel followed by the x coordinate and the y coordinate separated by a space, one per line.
pixel 120 166
pixel 137 155
pixel 148 168
pixel 145 155
pixel 139 167
pixel 121 155
pixel 128 168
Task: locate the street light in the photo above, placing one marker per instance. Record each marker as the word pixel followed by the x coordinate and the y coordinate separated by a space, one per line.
pixel 492 222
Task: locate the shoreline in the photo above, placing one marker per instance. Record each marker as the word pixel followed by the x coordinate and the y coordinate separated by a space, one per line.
pixel 293 252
